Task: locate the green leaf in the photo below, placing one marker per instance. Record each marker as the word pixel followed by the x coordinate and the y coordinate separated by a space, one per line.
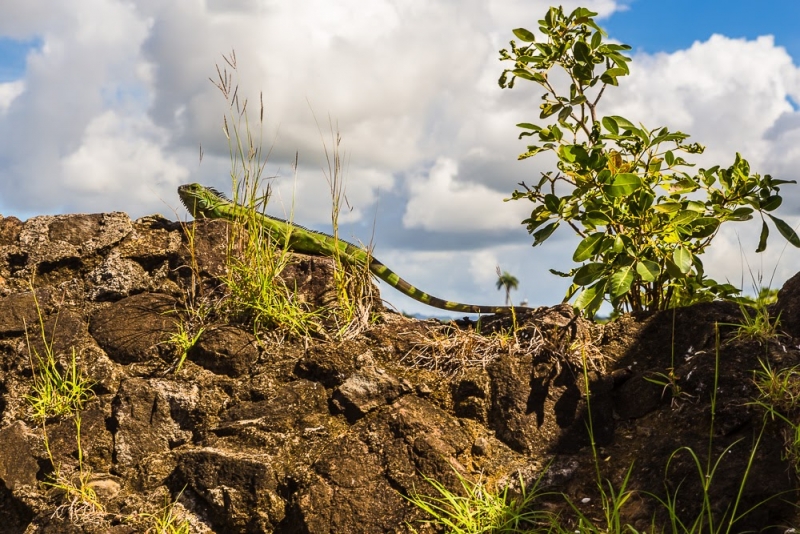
pixel 683 259
pixel 771 203
pixel 563 115
pixel 551 202
pixel 742 214
pixel 524 35
pixel 684 185
pixel 611 125
pixel 704 227
pixel 522 73
pixel 572 153
pixel 693 205
pixel 684 217
pixel 619 244
pixel 540 236
pixel 667 207
pixel 597 38
pixel 622 122
pixel 762 241
pixel 582 52
pixel 648 270
pixel 622 185
pixel 549 109
pixel 786 231
pixel 589 273
pixel 578 100
pixel 669 157
pixel 588 247
pixel 529 126
pixel 597 218
pixel 621 281
pixel 673 271
pixel 591 297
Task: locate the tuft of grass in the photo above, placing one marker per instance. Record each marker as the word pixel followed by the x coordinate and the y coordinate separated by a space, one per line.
pixel 481 510
pixel 166 521
pixel 450 350
pixel 779 397
pixel 256 291
pixel 778 388
pixel 183 340
pixel 757 323
pixel 80 502
pixel 56 391
pixel 59 392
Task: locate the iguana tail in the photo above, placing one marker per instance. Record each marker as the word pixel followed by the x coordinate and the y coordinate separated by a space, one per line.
pixel 391 278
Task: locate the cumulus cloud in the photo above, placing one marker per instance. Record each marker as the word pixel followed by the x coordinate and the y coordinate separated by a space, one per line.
pixel 8 92
pixel 115 103
pixel 398 80
pixel 438 202
pixel 727 93
pixel 120 157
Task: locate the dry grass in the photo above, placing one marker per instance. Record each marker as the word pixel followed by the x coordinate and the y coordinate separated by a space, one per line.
pixel 450 350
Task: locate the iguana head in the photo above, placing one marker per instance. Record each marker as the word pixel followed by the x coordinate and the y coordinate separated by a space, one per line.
pixel 201 201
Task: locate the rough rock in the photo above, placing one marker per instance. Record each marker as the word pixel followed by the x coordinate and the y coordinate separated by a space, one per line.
pixel 262 433
pixel 225 350
pixel 149 319
pixel 18 467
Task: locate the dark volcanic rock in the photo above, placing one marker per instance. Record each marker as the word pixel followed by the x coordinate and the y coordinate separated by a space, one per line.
pixel 19 311
pixel 225 350
pixel 18 466
pixel 788 306
pixel 366 390
pixel 135 329
pixel 261 433
pixel 284 409
pixel 143 420
pixel 239 491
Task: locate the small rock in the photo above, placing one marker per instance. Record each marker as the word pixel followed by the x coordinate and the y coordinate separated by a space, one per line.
pixel 366 390
pixel 480 447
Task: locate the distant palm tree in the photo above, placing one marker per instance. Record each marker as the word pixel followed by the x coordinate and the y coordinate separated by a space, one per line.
pixel 508 281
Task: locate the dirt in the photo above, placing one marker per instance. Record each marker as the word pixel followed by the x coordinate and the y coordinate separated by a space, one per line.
pixel 258 434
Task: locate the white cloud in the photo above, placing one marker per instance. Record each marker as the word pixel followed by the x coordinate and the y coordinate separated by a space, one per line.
pixel 120 157
pixel 726 93
pixel 438 202
pixel 113 107
pixel 8 92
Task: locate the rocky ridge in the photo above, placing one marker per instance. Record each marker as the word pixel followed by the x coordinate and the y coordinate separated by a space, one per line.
pixel 258 436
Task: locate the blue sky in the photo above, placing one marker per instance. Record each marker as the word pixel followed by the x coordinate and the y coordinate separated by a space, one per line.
pixel 659 26
pixel 105 103
pixel 12 57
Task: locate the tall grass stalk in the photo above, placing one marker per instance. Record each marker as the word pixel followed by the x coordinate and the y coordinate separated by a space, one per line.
pixel 706 522
pixel 255 264
pixel 354 289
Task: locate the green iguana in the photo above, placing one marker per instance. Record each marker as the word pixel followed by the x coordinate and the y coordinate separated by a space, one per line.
pixel 209 203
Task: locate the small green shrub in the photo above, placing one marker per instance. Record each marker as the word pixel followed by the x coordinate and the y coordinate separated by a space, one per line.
pixel 624 189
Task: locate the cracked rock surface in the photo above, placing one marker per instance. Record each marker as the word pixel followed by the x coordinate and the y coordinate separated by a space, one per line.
pixel 254 435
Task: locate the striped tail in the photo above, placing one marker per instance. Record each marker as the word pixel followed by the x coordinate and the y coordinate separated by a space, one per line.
pixel 391 278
